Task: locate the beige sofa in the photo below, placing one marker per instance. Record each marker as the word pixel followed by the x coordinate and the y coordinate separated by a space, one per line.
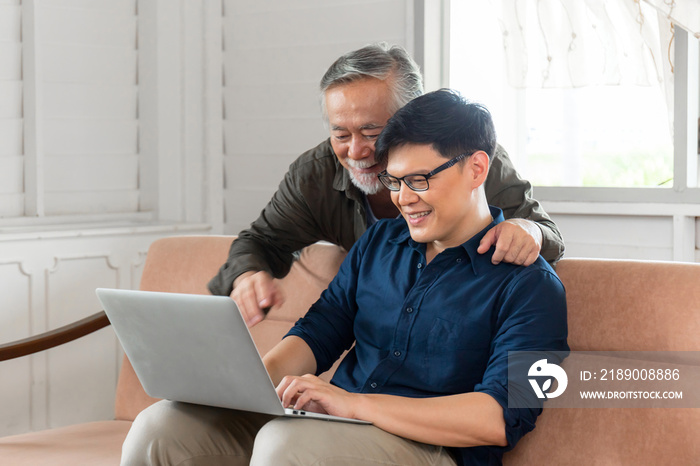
pixel 613 306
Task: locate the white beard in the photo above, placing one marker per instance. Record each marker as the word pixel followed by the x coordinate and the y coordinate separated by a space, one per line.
pixel 368 183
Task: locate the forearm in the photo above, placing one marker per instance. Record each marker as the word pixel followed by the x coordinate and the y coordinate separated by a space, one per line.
pixel 258 249
pixel 464 420
pixel 244 256
pixel 514 196
pixel 291 356
pixel 261 248
pixel 552 241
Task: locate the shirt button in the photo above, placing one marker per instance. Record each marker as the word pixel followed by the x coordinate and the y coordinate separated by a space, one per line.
pixel 373 385
pixel 459 260
pixel 420 265
pixel 397 353
pixel 409 309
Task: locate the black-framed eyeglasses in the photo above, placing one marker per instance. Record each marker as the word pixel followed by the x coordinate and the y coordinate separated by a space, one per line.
pixel 416 182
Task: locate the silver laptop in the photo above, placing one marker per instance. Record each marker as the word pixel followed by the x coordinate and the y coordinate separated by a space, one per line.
pixel 195 349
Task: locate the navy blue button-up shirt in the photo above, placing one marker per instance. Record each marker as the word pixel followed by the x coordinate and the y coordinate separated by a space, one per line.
pixel 424 330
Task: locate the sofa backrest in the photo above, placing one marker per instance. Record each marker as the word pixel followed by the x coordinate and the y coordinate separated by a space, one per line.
pixel 185 264
pixel 620 305
pixel 625 305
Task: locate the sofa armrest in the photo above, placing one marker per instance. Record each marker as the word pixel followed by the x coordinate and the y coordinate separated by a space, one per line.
pixel 54 338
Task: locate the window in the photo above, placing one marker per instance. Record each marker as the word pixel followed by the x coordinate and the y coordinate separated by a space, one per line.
pixel 573 128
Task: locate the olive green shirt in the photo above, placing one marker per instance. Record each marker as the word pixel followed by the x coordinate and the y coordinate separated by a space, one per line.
pixel 316 201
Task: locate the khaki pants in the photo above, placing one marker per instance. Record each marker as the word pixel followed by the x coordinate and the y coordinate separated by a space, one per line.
pixel 180 434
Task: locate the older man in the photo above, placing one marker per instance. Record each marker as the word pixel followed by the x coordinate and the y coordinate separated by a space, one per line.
pixel 332 193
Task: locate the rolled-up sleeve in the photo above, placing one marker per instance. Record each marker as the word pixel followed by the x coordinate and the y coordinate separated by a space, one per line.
pixel 532 317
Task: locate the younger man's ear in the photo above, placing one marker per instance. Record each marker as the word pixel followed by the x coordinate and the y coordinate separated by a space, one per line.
pixel 479 162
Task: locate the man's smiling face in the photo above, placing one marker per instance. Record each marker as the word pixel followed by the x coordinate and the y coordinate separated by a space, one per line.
pixel 442 215
pixel 357 113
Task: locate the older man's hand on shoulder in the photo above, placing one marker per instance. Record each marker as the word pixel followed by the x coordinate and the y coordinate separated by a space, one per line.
pixel 518 241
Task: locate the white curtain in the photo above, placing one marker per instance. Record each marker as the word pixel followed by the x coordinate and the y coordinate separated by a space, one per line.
pixel 682 13
pixel 575 43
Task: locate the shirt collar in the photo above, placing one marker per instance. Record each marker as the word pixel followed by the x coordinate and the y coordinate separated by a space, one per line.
pixel 478 261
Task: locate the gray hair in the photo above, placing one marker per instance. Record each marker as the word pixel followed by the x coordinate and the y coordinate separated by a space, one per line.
pixel 379 61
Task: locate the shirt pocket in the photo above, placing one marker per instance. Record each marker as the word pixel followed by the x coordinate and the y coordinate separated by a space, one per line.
pixel 456 355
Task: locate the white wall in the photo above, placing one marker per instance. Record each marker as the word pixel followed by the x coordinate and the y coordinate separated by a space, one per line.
pixel 634 231
pixel 275 53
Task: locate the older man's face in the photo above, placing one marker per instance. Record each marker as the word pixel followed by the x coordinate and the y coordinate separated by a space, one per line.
pixel 357 113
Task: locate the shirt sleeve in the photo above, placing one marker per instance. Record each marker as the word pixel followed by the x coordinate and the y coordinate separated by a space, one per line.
pixel 532 317
pixel 507 190
pixel 328 326
pixel 285 226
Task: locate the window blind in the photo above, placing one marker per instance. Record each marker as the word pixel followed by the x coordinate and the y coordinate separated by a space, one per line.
pixel 89 82
pixel 68 107
pixel 11 150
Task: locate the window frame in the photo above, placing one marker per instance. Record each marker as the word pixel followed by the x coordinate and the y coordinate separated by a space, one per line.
pixel 432 40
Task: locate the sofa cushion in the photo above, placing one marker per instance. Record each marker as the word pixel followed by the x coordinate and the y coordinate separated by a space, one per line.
pixel 93 443
pixel 613 436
